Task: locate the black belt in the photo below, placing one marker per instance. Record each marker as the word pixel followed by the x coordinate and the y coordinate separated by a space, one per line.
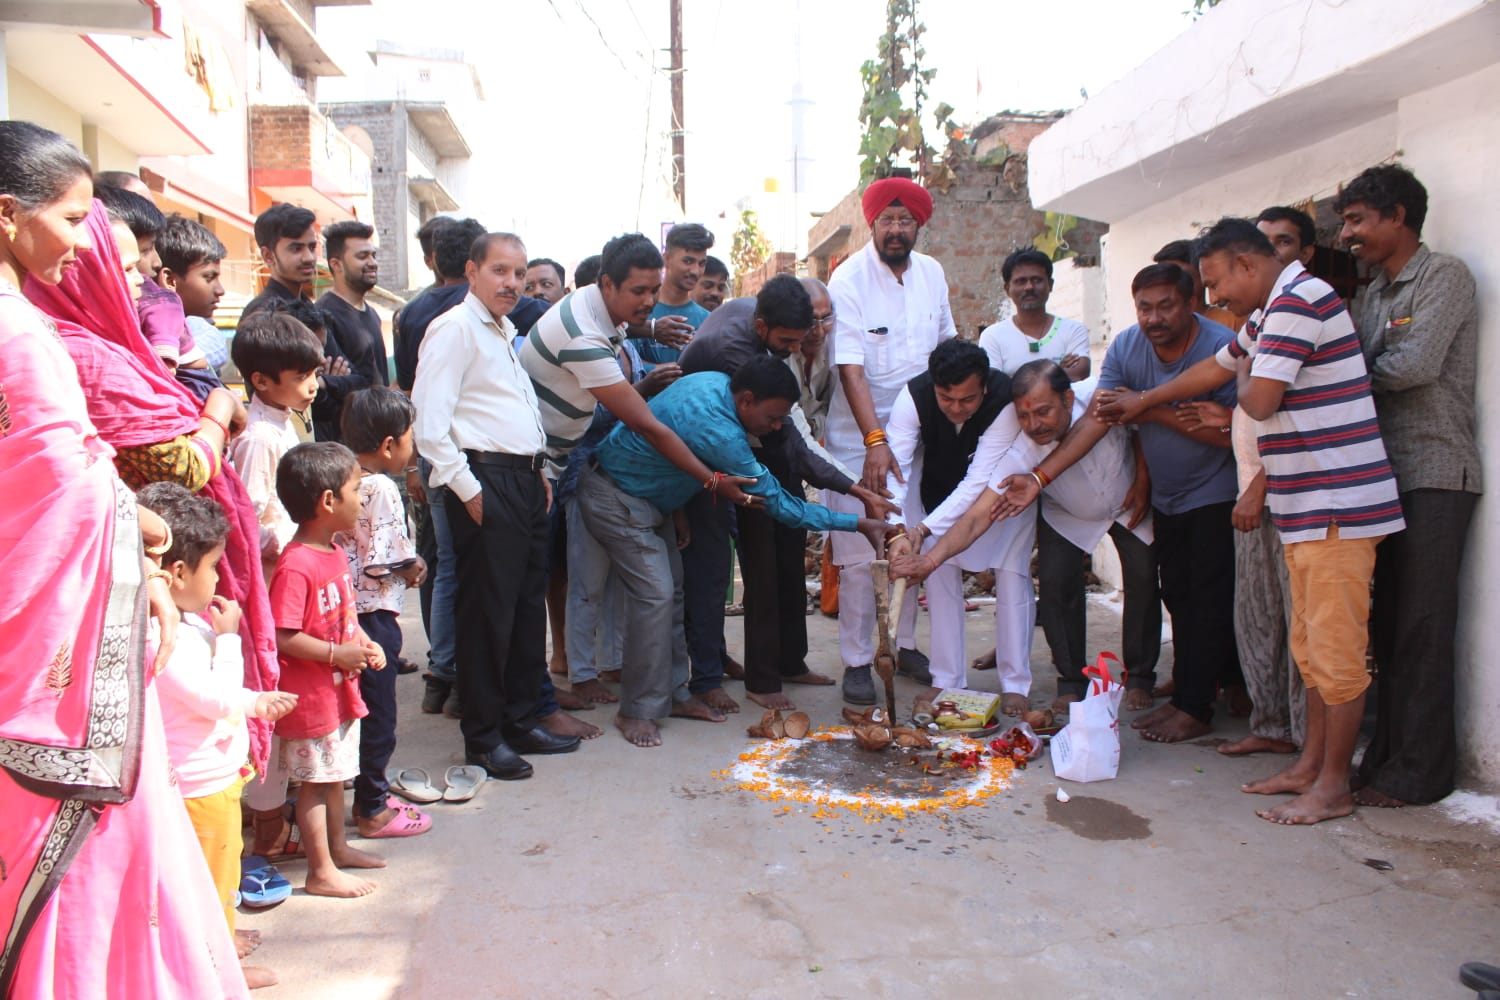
pixel 505 460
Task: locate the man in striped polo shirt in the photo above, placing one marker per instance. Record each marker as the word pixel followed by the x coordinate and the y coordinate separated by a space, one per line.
pixel 571 356
pixel 1329 484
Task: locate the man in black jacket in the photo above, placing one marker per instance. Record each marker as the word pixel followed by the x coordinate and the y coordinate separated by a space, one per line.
pixel 771 555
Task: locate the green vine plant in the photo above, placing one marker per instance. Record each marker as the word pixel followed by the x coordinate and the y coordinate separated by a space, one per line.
pixel 749 250
pixel 893 138
pixel 1052 240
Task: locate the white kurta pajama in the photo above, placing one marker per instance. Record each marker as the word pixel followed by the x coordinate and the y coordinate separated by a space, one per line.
pixel 945 585
pixel 889 327
pixel 1080 504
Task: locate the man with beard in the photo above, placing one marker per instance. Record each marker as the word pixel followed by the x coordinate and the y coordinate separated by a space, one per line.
pixel 289 250
pixel 1032 332
pixel 771 553
pixel 663 335
pixel 892 309
pixel 1193 489
pixel 354 326
pixel 713 287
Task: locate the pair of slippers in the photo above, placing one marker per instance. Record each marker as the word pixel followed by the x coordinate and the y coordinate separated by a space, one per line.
pixel 414 784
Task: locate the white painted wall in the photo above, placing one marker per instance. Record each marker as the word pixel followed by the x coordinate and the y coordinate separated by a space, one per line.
pixel 1450 136
pixel 1078 293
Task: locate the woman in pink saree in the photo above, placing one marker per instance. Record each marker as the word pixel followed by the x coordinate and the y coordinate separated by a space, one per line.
pixel 160 431
pixel 103 891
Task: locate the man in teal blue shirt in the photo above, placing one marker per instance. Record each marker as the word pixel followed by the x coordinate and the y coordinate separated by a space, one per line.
pixel 631 498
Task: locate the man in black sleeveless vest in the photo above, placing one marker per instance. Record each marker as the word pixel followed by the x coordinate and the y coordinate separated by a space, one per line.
pixel 935 428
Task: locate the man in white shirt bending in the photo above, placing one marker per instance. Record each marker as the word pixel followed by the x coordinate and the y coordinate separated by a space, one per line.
pixel 892 309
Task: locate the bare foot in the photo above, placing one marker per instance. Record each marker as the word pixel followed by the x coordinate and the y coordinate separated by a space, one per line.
pixel 1138 700
pixel 1370 797
pixel 1238 700
pixel 258 978
pixel 809 677
pixel 613 676
pixel 734 669
pixel 985 662
pixel 340 885
pixel 639 732
pixel 1063 702
pixel 1014 704
pixel 1294 780
pixel 271 832
pixel 1309 808
pixel 353 857
pixel 773 700
pixel 563 724
pixel 1177 727
pixel 571 701
pixel 245 941
pixel 1153 717
pixel 558 667
pixel 1256 744
pixel 595 692
pixel 1165 689
pixel 719 701
pixel 696 708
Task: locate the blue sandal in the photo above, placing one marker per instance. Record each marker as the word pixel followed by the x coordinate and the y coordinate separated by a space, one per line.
pixel 261 885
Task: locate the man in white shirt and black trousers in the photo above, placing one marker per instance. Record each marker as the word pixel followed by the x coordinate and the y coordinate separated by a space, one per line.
pixel 479 426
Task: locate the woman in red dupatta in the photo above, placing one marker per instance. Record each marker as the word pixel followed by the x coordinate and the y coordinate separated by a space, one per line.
pixel 103 890
pixel 146 415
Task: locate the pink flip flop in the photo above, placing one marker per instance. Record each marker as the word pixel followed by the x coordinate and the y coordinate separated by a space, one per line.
pixel 408 822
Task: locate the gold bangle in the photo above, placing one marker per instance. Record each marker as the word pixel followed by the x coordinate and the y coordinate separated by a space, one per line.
pixel 159 574
pixel 164 547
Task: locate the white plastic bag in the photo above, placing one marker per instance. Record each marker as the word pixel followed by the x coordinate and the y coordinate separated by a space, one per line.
pixel 1088 747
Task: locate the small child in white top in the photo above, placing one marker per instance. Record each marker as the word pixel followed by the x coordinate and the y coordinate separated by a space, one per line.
pixel 377 426
pixel 204 701
pixel 279 359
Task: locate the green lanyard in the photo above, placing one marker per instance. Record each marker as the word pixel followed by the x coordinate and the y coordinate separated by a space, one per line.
pixel 1037 345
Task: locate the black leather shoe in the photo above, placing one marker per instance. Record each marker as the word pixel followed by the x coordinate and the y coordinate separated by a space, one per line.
pixel 1479 976
pixel 434 694
pixel 501 762
pixel 538 740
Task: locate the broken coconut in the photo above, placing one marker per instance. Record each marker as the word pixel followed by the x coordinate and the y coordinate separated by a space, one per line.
pixel 872 716
pixel 770 726
pixel 911 738
pixel 872 737
pixel 1040 719
pixel 797 725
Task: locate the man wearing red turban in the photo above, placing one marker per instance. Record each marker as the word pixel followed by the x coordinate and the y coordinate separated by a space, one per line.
pixel 891 308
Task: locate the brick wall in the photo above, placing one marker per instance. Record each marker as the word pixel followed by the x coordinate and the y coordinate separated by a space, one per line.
pixel 976 224
pixel 980 219
pixel 387 127
pixel 281 137
pixel 779 262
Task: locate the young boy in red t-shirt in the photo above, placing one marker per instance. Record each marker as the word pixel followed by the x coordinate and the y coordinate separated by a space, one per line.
pixel 323 651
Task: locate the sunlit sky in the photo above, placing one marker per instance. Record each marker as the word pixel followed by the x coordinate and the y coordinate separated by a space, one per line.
pixel 573 144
